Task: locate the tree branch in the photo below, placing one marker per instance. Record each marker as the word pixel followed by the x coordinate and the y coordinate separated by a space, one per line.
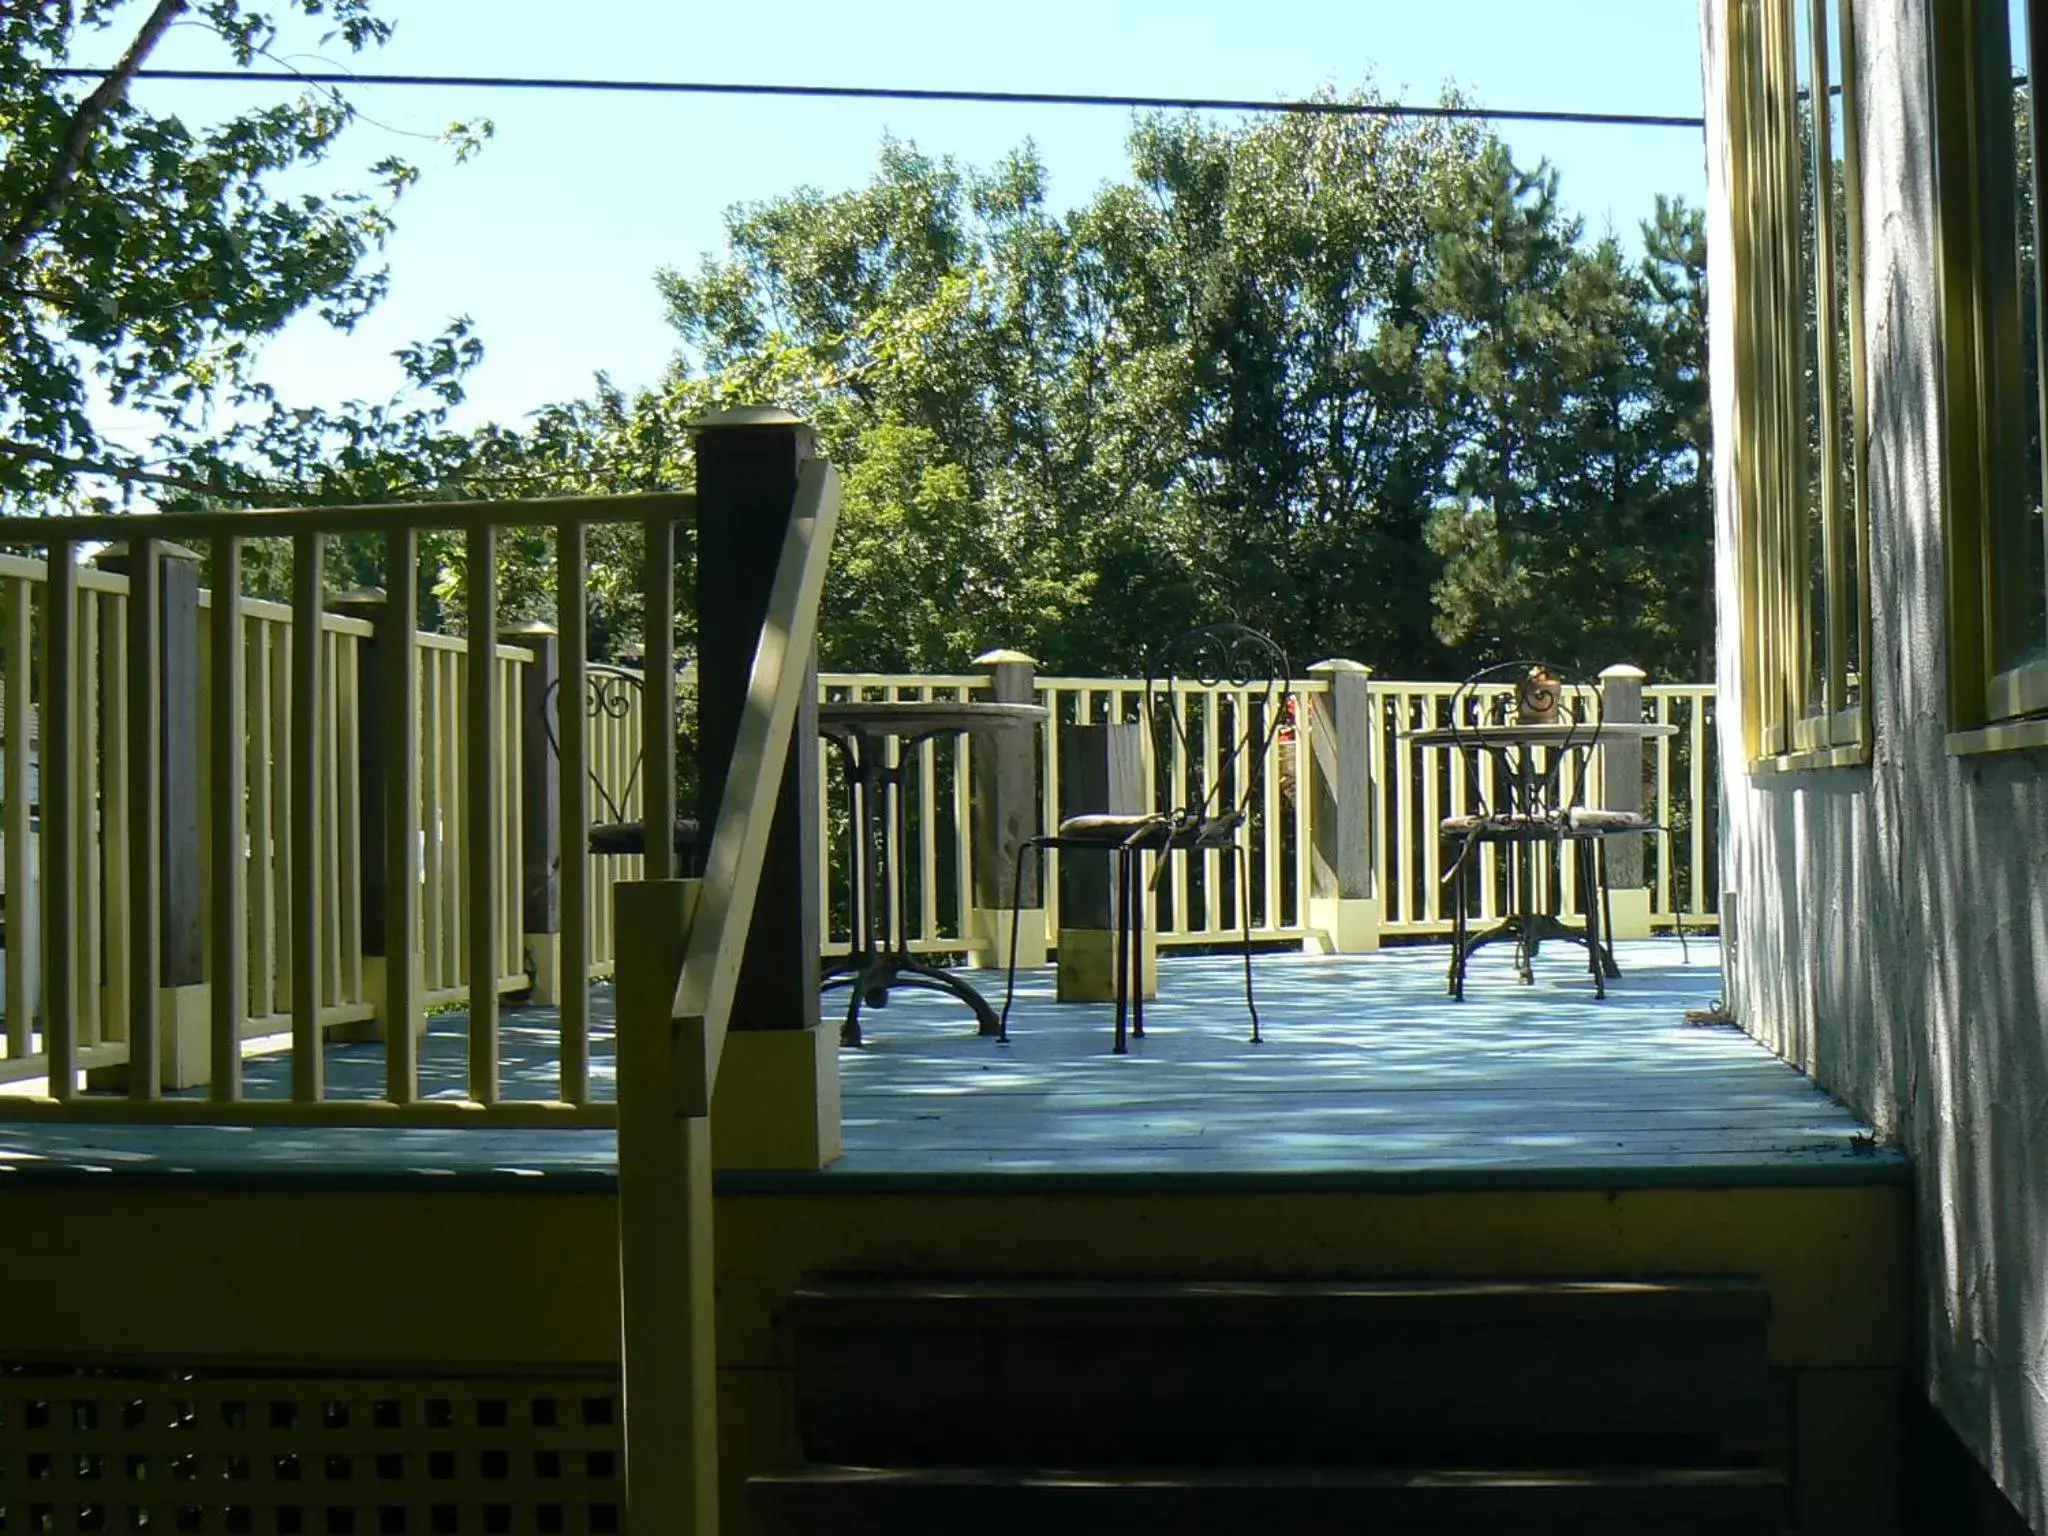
pixel 41 213
pixel 133 474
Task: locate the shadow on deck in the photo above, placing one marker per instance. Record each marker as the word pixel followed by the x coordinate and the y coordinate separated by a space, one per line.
pixel 1369 1077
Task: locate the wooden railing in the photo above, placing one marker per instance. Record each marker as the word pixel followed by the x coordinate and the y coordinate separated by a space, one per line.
pixel 1406 789
pixel 227 819
pixel 1409 789
pixel 678 972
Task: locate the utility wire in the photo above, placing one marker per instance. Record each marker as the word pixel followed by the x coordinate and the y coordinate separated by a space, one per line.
pixel 894 93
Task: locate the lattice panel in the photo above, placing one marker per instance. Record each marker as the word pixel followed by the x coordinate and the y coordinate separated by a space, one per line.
pixel 294 1455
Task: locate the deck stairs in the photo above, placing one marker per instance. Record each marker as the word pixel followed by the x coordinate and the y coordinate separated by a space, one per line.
pixel 1001 1406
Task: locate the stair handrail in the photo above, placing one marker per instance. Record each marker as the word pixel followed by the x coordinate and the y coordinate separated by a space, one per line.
pixel 680 948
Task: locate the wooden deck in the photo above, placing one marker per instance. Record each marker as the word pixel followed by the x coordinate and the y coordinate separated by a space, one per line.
pixel 1369 1078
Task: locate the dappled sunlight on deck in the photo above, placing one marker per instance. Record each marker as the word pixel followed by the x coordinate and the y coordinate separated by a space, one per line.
pixel 1368 1073
pixel 1367 1068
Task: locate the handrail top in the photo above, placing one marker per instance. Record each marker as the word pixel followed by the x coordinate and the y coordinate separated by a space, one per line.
pixel 381 517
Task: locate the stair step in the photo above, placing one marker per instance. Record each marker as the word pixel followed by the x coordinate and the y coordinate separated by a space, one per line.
pixel 996 1501
pixel 1094 1373
pixel 1674 1300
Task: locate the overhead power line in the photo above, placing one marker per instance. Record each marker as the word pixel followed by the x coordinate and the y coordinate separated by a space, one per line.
pixel 904 93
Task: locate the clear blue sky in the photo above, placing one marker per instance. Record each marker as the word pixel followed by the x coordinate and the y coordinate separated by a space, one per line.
pixel 549 239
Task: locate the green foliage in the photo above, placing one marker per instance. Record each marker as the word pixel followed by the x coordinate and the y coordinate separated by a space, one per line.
pixel 143 259
pixel 1357 380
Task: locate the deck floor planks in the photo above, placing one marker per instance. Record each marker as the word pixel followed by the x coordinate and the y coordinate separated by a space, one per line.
pixel 1368 1073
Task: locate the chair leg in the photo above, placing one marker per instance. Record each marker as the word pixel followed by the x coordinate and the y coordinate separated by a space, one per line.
pixel 1016 918
pixel 1677 911
pixel 1134 977
pixel 1455 982
pixel 1606 908
pixel 1244 911
pixel 1591 868
pixel 1122 948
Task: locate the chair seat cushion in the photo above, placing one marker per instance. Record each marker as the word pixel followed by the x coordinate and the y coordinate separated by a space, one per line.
pixel 1593 821
pixel 1150 830
pixel 1498 824
pixel 630 837
pixel 1111 827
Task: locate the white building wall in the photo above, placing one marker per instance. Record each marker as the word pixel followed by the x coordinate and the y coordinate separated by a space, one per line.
pixel 1891 935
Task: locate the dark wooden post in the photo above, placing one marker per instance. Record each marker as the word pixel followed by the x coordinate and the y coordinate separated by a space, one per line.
pixel 368 605
pixel 1621 789
pixel 1102 768
pixel 1005 813
pixel 747 463
pixel 1336 772
pixel 185 1053
pixel 540 788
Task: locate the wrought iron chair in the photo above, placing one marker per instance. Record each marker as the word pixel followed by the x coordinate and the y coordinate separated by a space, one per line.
pixel 1528 793
pixel 612 693
pixel 1211 784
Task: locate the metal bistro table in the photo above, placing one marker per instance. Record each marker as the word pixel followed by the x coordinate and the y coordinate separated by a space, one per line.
pixel 1516 745
pixel 874 739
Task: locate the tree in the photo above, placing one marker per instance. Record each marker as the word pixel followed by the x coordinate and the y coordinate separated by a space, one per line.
pixel 1575 525
pixel 142 260
pixel 1206 393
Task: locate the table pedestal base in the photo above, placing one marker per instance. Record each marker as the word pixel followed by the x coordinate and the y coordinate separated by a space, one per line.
pixel 1529 931
pixel 870 976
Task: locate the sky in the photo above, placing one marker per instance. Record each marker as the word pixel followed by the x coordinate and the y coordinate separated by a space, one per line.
pixel 549 240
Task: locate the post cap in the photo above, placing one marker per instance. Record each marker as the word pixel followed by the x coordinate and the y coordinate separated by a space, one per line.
pixel 1625 670
pixel 528 627
pixel 1340 664
pixel 748 416
pixel 1002 658
pixel 357 595
pixel 113 556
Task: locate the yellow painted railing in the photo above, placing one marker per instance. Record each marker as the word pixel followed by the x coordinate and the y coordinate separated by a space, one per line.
pixel 1411 789
pixel 280 920
pixel 244 868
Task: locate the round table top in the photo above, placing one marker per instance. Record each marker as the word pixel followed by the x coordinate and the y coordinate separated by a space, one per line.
pixel 1508 733
pixel 924 717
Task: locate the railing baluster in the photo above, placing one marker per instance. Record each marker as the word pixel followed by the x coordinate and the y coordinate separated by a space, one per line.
pixel 308 815
pixel 1269 788
pixel 145 818
pixel 928 837
pixel 348 815
pixel 1697 740
pixel 102 808
pixel 281 785
pixel 481 814
pixel 228 731
pixel 58 748
pixel 329 769
pixel 262 854
pixel 454 768
pixel 19 629
pixel 511 930
pixel 400 731
pixel 572 719
pixel 1049 776
pixel 433 753
pixel 963 837
pixel 658 731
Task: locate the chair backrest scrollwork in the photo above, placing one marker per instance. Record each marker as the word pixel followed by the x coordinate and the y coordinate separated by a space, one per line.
pixel 1223 775
pixel 1528 693
pixel 609 693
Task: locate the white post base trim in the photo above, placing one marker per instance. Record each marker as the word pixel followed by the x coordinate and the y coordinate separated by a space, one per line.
pixel 1343 925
